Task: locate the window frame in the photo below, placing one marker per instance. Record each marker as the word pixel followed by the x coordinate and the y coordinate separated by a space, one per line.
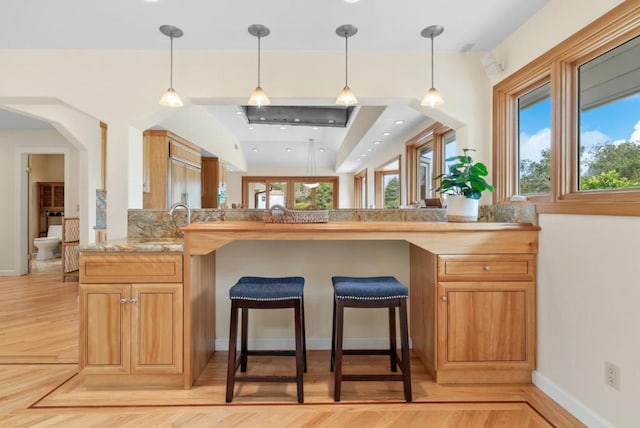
pixel 290 180
pixel 380 173
pixel 359 179
pixel 434 135
pixel 559 67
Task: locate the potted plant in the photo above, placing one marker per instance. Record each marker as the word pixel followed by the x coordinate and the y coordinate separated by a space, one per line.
pixel 463 185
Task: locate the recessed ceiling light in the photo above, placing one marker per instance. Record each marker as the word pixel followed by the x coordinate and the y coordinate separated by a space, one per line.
pixel 251 128
pixel 369 150
pixel 386 134
pixel 377 142
pixel 399 122
pixel 321 149
pixel 351 1
pixel 315 128
pixel 364 155
pixel 288 150
pixel 254 149
pixel 156 1
pixel 238 112
pixel 283 127
pixel 263 118
pixel 296 119
pixel 332 121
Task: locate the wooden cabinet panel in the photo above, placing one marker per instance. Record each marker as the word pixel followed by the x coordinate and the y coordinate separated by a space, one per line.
pixel 131 328
pixel 127 268
pixel 157 328
pixel 486 267
pixel 104 328
pixel 486 326
pixel 170 165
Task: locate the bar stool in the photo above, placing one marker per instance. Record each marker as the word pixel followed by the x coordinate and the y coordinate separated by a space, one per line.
pixel 371 292
pixel 252 292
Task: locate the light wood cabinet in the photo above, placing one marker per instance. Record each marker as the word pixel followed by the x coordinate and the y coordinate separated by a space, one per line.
pixel 131 314
pixel 171 170
pixel 482 328
pixel 132 328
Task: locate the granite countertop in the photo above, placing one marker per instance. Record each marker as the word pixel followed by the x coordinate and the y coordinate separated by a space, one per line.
pixel 131 245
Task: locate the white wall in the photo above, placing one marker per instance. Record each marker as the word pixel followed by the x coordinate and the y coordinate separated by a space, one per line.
pixel 588 270
pixel 12 145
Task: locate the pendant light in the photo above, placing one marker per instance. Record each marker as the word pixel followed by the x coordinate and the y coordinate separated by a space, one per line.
pixel 311 165
pixel 432 98
pixel 259 96
pixel 346 97
pixel 171 97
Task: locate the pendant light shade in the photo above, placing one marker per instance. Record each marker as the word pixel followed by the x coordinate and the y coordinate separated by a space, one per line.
pixel 311 165
pixel 346 96
pixel 171 98
pixel 259 96
pixel 432 98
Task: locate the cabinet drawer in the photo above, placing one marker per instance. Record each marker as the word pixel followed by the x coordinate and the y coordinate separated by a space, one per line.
pixel 506 267
pixel 127 268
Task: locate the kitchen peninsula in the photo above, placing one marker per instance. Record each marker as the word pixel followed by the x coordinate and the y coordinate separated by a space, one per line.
pixel 472 295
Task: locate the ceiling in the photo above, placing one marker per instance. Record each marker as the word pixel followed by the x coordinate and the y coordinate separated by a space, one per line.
pixel 308 25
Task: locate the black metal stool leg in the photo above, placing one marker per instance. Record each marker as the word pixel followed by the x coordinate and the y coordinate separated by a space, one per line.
pixel 304 336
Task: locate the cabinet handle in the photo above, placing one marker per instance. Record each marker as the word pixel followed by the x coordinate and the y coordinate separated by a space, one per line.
pixel 134 301
pixel 123 301
pixel 487 268
pixel 443 298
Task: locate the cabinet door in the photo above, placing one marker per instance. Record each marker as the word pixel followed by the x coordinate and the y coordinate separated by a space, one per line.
pixel 104 328
pixel 485 323
pixel 194 186
pixel 178 186
pixel 156 336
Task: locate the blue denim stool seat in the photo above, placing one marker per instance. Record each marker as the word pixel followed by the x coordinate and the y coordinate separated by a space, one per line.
pixel 371 292
pixel 253 292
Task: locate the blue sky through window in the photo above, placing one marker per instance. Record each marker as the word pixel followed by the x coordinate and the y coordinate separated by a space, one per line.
pixel 609 123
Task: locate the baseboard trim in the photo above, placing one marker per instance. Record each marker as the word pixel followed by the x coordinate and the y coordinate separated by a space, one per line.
pixel 7 272
pixel 569 402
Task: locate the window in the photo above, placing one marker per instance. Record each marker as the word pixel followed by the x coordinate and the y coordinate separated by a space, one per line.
pixel 609 117
pixel 426 154
pixel 534 141
pixel 360 189
pixel 265 192
pixel 425 171
pixel 388 184
pixel 567 126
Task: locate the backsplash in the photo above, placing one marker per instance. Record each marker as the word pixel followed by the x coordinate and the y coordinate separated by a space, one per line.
pixel 159 224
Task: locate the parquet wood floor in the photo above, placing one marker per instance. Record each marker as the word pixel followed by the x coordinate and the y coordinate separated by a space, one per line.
pixel 39 385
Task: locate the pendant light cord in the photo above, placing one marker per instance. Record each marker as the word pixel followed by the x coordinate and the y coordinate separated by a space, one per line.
pixel 171 64
pixel 432 60
pixel 259 61
pixel 346 61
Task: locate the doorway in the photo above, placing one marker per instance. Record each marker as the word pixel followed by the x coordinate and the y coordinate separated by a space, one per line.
pixel 46 209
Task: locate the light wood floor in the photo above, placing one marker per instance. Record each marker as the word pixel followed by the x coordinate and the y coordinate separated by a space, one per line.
pixel 39 385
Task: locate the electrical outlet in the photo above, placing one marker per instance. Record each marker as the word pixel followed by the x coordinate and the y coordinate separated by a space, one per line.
pixel 612 375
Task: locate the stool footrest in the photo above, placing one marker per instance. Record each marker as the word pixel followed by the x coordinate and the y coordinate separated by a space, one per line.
pixel 371 377
pixel 366 352
pixel 272 353
pixel 273 379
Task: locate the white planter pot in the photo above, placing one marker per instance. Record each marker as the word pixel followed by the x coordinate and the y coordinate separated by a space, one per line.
pixel 462 209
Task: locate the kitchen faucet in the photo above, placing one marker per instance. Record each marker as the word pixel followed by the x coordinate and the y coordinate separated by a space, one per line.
pixel 181 205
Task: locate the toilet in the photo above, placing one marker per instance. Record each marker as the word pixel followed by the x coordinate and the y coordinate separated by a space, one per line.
pixel 49 247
